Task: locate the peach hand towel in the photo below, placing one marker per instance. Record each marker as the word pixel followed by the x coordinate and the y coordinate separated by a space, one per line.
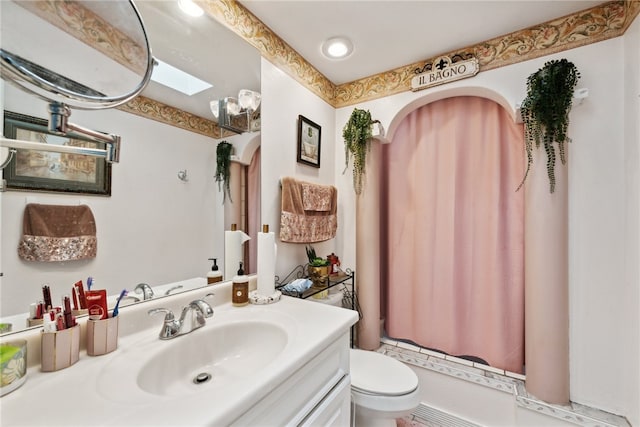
pixel 313 220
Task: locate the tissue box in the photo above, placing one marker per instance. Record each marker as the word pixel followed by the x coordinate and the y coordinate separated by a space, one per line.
pixel 13 365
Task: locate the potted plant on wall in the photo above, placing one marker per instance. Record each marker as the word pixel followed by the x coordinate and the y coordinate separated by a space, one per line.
pixel 223 168
pixel 545 112
pixel 357 134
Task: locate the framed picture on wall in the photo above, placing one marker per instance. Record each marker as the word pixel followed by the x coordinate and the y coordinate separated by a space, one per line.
pixel 33 170
pixel 308 142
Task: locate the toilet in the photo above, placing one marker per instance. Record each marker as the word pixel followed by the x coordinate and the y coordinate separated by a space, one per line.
pixel 382 389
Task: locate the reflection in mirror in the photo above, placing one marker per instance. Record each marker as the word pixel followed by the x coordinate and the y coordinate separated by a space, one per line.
pixel 41 42
pixel 154 228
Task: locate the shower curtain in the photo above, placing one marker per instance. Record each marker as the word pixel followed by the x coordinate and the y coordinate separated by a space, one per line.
pixel 453 249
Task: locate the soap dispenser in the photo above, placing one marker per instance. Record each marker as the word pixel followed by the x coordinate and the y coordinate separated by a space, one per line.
pixel 215 275
pixel 240 289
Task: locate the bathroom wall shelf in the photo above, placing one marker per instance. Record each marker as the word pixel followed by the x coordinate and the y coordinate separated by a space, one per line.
pixel 346 279
pixel 300 271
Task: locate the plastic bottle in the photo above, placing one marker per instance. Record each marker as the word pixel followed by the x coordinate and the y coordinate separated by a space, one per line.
pixel 240 289
pixel 215 275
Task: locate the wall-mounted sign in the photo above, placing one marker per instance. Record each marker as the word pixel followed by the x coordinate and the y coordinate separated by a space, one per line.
pixel 443 70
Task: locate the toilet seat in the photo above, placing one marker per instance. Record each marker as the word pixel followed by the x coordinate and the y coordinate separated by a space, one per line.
pixel 376 374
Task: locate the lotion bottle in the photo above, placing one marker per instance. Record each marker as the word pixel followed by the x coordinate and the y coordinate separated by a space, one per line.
pixel 240 289
pixel 215 275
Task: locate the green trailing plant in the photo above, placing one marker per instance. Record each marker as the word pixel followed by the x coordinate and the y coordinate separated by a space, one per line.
pixel 223 169
pixel 357 134
pixel 314 260
pixel 545 112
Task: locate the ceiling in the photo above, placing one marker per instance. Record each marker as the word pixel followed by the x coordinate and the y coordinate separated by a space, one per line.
pixel 387 34
pixel 390 34
pixel 202 47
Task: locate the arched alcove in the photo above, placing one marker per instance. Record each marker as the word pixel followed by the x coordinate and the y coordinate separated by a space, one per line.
pixel 428 98
pixel 248 150
pixel 546 261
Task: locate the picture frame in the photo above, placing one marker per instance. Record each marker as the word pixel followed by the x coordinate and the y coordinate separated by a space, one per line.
pixel 45 171
pixel 309 139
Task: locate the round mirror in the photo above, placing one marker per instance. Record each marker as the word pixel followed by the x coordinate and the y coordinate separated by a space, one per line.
pixel 101 59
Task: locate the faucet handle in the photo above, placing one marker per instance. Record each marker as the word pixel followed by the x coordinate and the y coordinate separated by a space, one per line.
pixel 172 289
pixel 168 313
pixel 202 306
pixel 170 327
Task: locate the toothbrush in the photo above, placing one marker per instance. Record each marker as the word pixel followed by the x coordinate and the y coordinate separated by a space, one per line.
pixel 115 309
pixel 89 282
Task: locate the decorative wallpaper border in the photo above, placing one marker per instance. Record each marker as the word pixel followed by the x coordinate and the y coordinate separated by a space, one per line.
pixel 154 110
pixel 242 22
pixel 599 23
pixel 91 29
pixel 608 20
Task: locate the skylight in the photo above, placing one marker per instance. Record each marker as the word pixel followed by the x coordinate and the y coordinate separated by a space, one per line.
pixel 177 79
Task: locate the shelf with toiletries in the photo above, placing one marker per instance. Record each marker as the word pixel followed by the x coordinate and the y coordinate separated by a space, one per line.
pixel 296 284
pixel 293 284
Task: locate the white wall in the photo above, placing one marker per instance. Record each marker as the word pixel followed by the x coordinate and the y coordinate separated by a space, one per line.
pixel 283 99
pixel 632 223
pixel 154 228
pixel 600 307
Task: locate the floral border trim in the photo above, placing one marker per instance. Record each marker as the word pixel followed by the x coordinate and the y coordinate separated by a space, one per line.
pixel 242 22
pixel 154 110
pixel 91 29
pixel 599 23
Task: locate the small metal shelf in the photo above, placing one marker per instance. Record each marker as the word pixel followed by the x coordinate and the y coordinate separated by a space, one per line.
pixel 345 278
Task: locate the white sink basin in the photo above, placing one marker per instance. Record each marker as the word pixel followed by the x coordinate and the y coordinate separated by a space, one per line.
pixel 234 347
pixel 212 357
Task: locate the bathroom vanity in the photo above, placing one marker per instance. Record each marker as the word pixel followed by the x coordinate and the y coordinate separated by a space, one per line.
pixel 285 363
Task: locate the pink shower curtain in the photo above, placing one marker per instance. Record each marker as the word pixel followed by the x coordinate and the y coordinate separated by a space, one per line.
pixel 454 245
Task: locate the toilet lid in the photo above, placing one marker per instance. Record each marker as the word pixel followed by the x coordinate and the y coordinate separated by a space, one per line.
pixel 376 373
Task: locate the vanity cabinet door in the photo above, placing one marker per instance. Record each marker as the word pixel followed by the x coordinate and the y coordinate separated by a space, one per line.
pixel 334 410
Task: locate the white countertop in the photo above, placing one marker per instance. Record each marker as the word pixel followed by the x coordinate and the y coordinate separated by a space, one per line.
pixel 90 393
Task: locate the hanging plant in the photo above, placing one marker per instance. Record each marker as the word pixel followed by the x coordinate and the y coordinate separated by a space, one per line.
pixel 357 134
pixel 545 112
pixel 223 169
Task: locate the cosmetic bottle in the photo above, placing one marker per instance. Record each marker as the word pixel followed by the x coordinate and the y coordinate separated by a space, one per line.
pixel 215 275
pixel 240 289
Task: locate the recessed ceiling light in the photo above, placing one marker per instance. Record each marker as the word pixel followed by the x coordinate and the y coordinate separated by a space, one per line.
pixel 337 48
pixel 190 8
pixel 177 79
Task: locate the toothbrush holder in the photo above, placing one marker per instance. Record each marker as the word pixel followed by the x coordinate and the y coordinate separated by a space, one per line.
pixel 60 349
pixel 102 336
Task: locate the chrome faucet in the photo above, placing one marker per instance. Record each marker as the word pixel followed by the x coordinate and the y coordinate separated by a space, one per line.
pixel 145 290
pixel 193 317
